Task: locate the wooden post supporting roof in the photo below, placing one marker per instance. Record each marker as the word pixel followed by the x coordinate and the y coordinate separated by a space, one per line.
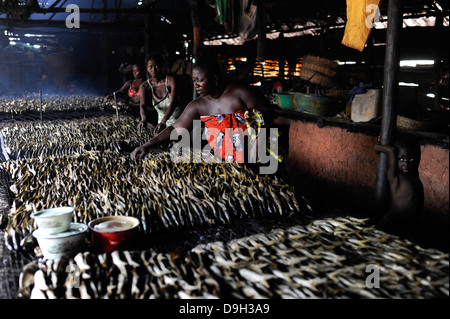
pixel 438 55
pixel 389 100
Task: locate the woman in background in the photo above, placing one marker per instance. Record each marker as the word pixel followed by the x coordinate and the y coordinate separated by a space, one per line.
pixel 158 92
pixel 131 88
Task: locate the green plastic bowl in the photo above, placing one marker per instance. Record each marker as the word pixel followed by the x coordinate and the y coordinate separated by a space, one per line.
pixel 285 101
pixel 315 104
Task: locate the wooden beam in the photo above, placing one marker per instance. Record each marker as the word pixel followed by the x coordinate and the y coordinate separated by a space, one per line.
pixel 54 4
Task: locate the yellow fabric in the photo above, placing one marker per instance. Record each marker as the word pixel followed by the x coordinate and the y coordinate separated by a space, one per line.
pixel 255 122
pixel 356 29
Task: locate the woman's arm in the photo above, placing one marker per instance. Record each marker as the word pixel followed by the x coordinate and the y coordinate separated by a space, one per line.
pixel 142 107
pixel 121 91
pixel 184 122
pixel 125 87
pixel 160 139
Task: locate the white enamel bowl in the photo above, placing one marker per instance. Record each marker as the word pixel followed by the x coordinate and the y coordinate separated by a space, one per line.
pixel 67 243
pixel 53 220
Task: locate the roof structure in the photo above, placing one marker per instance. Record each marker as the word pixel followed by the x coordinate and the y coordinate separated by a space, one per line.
pixel 113 31
pixel 295 17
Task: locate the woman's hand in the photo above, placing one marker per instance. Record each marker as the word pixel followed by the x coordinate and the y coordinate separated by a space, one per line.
pixel 142 125
pixel 107 98
pixel 159 128
pixel 139 153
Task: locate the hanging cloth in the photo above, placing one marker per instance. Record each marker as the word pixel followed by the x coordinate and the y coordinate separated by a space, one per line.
pixel 249 19
pixel 231 23
pixel 360 17
pixel 245 17
pixel 221 10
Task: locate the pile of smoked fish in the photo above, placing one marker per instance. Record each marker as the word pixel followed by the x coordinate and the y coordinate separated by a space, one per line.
pixel 63 165
pixel 34 102
pixel 328 258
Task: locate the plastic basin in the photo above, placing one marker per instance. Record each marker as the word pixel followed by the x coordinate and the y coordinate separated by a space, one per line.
pixel 315 104
pixel 285 101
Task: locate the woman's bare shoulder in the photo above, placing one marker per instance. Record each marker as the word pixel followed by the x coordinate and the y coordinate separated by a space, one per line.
pixel 237 88
pixel 171 80
pixel 190 113
pixel 199 106
pixel 171 77
pixel 144 85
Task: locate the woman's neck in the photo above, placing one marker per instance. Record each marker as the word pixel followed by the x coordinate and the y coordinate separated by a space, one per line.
pixel 218 92
pixel 158 79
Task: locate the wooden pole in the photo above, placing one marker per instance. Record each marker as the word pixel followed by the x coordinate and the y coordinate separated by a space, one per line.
pixel 389 100
pixel 117 108
pixel 147 25
pixel 40 102
pixel 438 25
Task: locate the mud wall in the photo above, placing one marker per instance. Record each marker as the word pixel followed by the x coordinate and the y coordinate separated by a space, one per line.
pixel 331 165
pixel 337 168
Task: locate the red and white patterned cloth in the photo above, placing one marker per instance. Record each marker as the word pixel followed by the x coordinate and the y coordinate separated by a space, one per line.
pixel 225 134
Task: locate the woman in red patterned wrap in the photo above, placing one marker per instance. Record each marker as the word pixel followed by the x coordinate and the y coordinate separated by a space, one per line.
pixel 223 109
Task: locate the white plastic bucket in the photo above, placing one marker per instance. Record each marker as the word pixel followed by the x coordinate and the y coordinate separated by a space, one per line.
pixel 365 107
